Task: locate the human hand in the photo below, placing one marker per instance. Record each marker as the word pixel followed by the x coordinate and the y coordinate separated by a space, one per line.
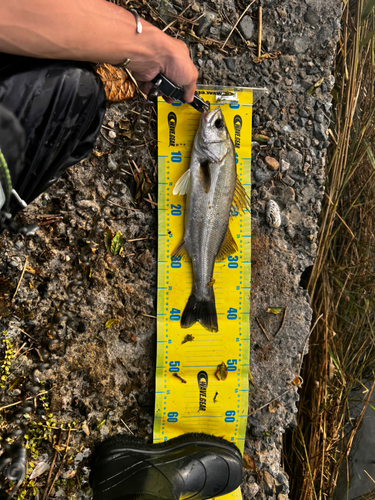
pixel 163 54
pixel 54 31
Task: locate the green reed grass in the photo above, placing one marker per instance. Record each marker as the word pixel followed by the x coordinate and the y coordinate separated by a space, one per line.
pixel 341 355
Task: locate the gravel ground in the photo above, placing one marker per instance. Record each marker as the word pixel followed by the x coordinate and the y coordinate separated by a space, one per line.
pixel 103 378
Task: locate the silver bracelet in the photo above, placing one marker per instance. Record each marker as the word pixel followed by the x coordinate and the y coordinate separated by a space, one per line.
pixel 138 23
pixel 138 29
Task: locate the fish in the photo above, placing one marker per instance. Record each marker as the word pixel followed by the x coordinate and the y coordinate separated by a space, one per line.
pixel 214 192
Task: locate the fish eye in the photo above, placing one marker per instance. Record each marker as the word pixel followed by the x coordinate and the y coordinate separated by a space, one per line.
pixel 219 123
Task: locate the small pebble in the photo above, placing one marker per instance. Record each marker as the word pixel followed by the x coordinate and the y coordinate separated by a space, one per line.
pixel 246 26
pixel 112 134
pixel 195 7
pixel 287 128
pixel 288 180
pixel 284 166
pixel 272 163
pixel 112 165
pixel 111 124
pixel 273 217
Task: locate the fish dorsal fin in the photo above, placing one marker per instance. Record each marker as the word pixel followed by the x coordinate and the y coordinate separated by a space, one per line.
pixel 241 200
pixel 228 247
pixel 179 251
pixel 204 176
pixel 183 183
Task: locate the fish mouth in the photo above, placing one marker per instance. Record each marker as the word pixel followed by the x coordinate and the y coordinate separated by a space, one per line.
pixel 210 116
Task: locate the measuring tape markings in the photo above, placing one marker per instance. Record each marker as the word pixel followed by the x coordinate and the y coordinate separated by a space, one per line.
pixel 194 356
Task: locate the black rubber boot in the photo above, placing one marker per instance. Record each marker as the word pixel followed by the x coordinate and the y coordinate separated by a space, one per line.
pixel 192 466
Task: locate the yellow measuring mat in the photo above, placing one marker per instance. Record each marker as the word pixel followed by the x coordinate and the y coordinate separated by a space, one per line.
pixel 202 376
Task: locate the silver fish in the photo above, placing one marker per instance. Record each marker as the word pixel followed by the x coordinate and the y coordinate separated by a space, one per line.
pixel 213 190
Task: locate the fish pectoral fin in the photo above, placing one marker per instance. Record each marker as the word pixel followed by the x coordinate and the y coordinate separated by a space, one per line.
pixel 228 247
pixel 179 251
pixel 204 176
pixel 183 183
pixel 241 200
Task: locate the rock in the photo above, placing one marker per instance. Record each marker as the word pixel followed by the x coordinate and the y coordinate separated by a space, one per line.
pixel 215 32
pixel 253 490
pixel 256 120
pixel 246 27
pixel 166 7
pixel 294 158
pixel 112 165
pixel 300 45
pixel 195 7
pixel 312 17
pixel 261 176
pixel 270 41
pixel 231 63
pixel 312 71
pixel 270 482
pixel 209 65
pixel 287 128
pixel 319 116
pixel 284 166
pixel 282 478
pixel 288 180
pixel 112 134
pixel 320 131
pixel 328 107
pixel 272 110
pixel 88 204
pixel 287 195
pixel 205 22
pixel 225 29
pixel 272 163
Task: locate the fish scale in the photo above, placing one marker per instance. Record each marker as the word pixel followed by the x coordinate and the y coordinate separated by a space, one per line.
pixel 207 213
pixel 188 395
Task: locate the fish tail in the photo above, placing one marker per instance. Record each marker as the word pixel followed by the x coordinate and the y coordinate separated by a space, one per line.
pixel 202 310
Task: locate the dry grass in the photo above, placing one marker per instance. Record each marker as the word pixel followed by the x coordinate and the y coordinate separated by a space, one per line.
pixel 342 284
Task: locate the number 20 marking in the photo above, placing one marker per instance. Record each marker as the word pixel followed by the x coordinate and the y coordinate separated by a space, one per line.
pixel 176 209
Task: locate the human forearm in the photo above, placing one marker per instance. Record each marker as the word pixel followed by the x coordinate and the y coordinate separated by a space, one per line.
pixel 92 30
pixel 87 30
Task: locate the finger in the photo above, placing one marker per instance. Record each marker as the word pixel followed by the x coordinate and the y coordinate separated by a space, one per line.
pixel 189 91
pixel 169 100
pixel 145 87
pixel 190 88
